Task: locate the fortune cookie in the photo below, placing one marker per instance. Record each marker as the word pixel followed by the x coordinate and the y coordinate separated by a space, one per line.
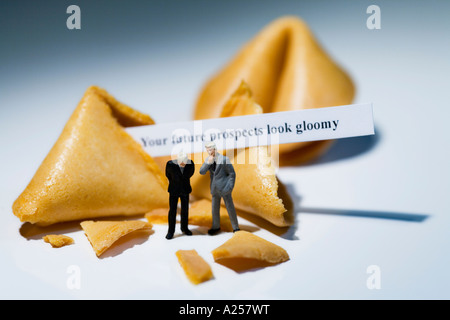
pixel 286 69
pixel 256 186
pixel 95 169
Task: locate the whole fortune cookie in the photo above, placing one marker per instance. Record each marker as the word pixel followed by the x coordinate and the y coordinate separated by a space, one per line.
pixel 286 69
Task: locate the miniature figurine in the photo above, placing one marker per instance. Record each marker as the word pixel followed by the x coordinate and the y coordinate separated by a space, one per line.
pixel 179 173
pixel 222 176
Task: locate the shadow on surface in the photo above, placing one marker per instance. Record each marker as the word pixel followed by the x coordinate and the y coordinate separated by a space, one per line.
pixel 241 265
pixel 412 217
pixel 289 233
pixel 126 242
pixel 348 148
pixel 35 232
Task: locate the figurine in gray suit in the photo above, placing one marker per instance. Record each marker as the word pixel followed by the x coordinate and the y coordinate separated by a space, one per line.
pixel 222 176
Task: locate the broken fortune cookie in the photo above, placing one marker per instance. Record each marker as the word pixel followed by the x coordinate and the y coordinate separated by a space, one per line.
pixel 95 169
pixel 257 189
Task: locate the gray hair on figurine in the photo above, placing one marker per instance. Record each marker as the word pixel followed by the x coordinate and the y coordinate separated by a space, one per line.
pixel 182 157
pixel 210 145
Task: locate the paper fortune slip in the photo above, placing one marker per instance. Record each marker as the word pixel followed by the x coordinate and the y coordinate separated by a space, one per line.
pixel 256 130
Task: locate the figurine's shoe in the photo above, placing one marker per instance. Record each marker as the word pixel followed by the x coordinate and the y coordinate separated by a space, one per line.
pixel 169 235
pixel 214 231
pixel 187 232
pixel 235 230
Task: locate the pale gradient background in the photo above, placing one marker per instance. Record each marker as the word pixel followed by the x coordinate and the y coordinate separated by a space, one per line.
pixel 379 200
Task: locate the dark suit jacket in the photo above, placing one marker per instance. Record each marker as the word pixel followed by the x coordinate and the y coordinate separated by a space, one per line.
pixel 179 183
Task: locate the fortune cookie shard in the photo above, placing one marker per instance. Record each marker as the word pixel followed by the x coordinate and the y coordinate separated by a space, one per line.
pixel 246 250
pixel 58 240
pixel 287 70
pixel 256 186
pixel 95 169
pixel 158 216
pixel 200 214
pixel 102 234
pixel 196 268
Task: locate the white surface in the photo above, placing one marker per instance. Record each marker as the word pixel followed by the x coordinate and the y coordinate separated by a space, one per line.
pixel 402 68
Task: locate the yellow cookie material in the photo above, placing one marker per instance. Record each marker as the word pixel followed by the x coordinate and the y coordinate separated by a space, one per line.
pixel 287 70
pixel 102 234
pixel 200 214
pixel 196 268
pixel 158 216
pixel 95 169
pixel 246 250
pixel 58 240
pixel 256 185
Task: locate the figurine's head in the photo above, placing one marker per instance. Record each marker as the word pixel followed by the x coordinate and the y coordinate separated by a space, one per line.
pixel 182 159
pixel 211 148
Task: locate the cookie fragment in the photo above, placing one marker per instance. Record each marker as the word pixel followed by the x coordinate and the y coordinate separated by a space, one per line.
pixel 58 240
pixel 158 216
pixel 246 251
pixel 196 268
pixel 102 234
pixel 200 214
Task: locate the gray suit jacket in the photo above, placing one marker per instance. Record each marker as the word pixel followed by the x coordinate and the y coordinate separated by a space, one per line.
pixel 223 178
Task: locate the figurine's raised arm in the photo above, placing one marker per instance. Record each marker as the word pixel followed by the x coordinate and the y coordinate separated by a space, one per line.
pixel 179 173
pixel 211 149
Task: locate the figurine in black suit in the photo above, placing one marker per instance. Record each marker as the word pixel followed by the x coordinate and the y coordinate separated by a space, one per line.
pixel 179 173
